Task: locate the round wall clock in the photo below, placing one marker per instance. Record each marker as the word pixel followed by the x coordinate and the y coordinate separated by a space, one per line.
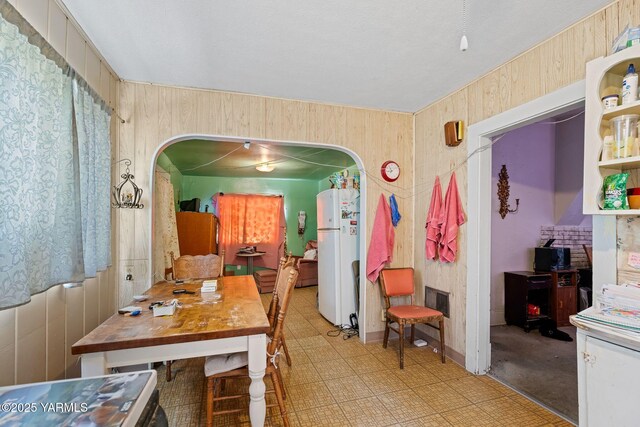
pixel 390 171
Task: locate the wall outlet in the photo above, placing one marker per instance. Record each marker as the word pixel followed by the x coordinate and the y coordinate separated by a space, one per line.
pixel 383 315
pixel 128 272
pixel 238 267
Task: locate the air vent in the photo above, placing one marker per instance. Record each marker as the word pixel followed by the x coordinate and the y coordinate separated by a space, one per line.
pixel 437 300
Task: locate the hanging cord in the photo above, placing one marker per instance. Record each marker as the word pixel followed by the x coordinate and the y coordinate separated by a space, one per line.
pixel 410 192
pixel 274 357
pixel 348 332
pixel 213 161
pixel 464 17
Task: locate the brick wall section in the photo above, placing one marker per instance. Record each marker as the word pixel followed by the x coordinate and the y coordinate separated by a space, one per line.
pixel 569 236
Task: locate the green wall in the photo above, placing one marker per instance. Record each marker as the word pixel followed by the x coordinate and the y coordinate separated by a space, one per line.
pixel 299 195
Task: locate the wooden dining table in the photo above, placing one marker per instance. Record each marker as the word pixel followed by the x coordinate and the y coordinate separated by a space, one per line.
pixel 231 320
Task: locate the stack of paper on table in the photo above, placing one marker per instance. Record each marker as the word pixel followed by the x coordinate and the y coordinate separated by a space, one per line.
pixel 616 305
pixel 167 309
pixel 209 286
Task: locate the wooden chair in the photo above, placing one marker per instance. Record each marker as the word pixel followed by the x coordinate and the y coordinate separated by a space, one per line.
pixel 273 306
pixel 194 267
pixel 589 251
pixel 224 367
pixel 398 282
pixel 197 266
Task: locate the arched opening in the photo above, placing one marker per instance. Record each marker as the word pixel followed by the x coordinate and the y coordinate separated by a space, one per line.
pixel 270 146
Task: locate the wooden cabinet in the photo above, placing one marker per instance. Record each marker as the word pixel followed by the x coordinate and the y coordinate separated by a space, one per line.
pixel 522 288
pixel 608 371
pixel 604 77
pixel 197 233
pixel 564 295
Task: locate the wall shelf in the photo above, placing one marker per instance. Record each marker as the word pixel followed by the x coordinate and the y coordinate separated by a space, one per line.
pixel 622 164
pixel 619 212
pixel 633 108
pixel 604 77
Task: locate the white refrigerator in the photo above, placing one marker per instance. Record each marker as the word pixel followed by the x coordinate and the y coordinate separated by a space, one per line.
pixel 338 247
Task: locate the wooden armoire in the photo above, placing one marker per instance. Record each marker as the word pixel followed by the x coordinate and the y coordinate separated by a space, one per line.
pixel 197 233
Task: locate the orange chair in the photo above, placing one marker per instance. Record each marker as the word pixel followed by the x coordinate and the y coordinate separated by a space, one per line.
pixel 398 282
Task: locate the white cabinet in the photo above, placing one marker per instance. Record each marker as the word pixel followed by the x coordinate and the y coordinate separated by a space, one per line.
pixel 608 376
pixel 604 77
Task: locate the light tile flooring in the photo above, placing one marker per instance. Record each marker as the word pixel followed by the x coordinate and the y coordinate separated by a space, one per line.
pixel 337 382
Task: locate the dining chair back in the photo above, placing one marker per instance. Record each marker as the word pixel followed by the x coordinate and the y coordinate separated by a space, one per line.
pixel 398 282
pixel 276 297
pixel 198 266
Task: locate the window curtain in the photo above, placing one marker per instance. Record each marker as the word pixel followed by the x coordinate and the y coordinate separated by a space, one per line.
pixel 252 220
pixel 165 228
pixel 43 206
pixel 94 158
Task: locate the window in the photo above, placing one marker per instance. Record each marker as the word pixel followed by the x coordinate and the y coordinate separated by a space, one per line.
pixel 252 220
pixel 54 169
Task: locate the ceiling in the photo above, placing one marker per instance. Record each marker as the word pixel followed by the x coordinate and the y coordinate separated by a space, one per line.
pixel 198 158
pixel 392 55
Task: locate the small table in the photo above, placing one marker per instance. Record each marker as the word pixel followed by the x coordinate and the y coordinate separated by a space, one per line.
pixel 203 326
pixel 250 258
pixel 119 399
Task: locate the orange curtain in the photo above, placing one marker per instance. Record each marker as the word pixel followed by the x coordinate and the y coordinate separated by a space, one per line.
pixel 252 220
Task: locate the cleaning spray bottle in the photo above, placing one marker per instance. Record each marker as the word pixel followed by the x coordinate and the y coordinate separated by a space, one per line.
pixel 630 86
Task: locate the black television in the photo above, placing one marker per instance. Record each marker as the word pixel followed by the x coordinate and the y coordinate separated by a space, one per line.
pixel 552 259
pixel 192 205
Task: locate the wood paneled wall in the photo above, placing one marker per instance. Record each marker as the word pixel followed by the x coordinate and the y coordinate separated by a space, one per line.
pixel 36 338
pixel 154 114
pixel 551 65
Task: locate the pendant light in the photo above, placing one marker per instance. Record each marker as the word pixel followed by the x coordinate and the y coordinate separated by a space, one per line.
pixel 464 43
pixel 265 167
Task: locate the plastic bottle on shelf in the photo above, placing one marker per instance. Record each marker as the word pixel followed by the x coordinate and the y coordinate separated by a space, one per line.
pixel 608 148
pixel 630 86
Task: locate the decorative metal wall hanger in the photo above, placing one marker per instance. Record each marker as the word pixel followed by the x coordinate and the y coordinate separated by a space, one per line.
pixel 127 194
pixel 503 193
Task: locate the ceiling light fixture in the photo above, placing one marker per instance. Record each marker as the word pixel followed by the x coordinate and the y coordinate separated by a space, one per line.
pixel 265 167
pixel 464 43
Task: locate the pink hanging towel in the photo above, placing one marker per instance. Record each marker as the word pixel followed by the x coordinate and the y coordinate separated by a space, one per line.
pixel 382 238
pixel 451 217
pixel 433 221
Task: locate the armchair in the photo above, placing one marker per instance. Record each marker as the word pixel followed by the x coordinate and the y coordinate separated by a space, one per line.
pixel 308 267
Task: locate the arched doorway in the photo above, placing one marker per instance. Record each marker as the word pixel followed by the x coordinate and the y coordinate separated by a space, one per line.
pixel 270 143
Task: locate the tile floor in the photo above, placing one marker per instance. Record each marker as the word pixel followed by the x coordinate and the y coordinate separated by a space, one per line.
pixel 337 382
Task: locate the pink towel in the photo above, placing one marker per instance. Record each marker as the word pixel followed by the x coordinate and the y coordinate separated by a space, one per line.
pixel 382 238
pixel 433 221
pixel 451 217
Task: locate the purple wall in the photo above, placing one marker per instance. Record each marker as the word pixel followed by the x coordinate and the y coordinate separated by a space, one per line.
pixel 569 170
pixel 529 154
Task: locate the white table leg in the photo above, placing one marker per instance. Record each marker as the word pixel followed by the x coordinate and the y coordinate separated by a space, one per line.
pixel 257 366
pixel 93 364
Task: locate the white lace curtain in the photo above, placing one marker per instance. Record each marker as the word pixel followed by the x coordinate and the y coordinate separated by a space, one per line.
pixel 54 176
pixel 165 229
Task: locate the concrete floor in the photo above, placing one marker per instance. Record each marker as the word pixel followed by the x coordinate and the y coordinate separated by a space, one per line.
pixel 542 368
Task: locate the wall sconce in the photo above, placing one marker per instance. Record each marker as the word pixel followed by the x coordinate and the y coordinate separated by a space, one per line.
pixel 127 194
pixel 503 193
pixel 453 133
